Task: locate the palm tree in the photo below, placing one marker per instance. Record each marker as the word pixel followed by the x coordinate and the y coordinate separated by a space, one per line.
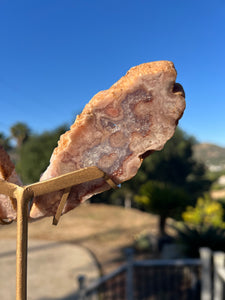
pixel 20 132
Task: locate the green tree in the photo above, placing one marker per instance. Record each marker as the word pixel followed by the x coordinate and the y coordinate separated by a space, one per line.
pixel 5 142
pixel 163 199
pixel 35 154
pixel 20 132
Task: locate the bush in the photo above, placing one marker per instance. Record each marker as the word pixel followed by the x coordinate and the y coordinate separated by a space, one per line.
pixel 207 212
pixel 203 226
pixel 192 238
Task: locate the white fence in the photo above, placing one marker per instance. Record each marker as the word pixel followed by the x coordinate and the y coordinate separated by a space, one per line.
pixel 213 274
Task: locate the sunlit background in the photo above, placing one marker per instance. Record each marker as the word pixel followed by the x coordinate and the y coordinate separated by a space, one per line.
pixel 55 55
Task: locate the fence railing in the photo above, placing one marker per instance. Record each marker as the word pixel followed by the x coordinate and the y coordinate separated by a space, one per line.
pixel 174 279
pixel 219 276
pixel 213 275
pixel 149 279
pixel 110 286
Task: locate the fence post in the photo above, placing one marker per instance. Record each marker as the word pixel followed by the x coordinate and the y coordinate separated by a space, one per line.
pixel 218 260
pixel 82 287
pixel 206 273
pixel 129 252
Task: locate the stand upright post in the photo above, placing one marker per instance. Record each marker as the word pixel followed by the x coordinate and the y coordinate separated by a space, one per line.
pixel 24 195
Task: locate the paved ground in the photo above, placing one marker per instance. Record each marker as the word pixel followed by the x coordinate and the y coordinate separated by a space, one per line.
pixel 53 268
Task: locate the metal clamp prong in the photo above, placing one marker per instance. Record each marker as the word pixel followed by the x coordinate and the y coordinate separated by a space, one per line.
pixel 110 182
pixel 61 206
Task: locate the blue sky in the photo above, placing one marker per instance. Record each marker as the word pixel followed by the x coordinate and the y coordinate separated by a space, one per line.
pixel 56 54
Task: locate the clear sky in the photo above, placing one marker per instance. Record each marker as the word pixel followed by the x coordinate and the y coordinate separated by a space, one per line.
pixel 56 54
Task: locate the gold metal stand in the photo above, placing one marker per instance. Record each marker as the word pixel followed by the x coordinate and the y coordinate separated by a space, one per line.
pixel 24 194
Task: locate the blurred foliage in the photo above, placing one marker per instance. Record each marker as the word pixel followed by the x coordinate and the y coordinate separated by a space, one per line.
pixel 207 212
pixel 35 153
pixel 217 187
pixel 163 199
pixel 192 238
pixel 5 142
pixel 143 243
pixel 222 202
pixel 203 226
pixel 214 176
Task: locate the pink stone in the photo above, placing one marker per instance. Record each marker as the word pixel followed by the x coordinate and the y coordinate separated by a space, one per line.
pixel 116 129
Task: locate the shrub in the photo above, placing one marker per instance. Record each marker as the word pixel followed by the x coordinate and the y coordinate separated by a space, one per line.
pixel 207 212
pixel 203 226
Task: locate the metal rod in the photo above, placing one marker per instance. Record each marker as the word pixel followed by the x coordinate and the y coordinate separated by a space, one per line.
pixel 8 188
pixel 66 180
pixel 23 197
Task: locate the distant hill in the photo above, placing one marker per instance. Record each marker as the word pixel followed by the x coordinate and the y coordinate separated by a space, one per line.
pixel 212 155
